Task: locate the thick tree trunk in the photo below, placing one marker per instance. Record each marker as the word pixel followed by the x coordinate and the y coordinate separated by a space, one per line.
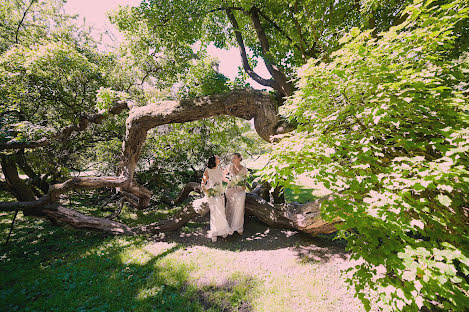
pixel 15 184
pixel 245 104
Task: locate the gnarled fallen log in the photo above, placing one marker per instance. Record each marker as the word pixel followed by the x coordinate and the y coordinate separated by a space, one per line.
pixel 245 104
pixel 81 221
pixel 305 218
pixel 302 217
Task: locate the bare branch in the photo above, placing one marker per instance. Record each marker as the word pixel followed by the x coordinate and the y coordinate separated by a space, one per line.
pixel 22 20
pixel 242 51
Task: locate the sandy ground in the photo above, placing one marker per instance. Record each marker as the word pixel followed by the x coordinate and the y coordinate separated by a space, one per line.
pixel 296 272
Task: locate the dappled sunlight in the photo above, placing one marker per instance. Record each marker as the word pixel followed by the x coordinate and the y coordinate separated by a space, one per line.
pixel 259 271
pixel 289 233
pixel 157 248
pixel 258 235
pixel 316 254
pixel 306 180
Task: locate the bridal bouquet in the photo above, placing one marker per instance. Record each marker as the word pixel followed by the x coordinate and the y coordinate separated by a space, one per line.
pixel 216 190
pixel 238 180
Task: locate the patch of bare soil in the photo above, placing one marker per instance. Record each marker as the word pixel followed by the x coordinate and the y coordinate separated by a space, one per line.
pixel 296 272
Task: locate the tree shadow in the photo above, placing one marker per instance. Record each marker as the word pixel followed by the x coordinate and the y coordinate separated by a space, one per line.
pixel 61 269
pixel 258 236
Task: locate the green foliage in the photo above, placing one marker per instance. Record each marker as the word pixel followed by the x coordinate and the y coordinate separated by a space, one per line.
pixel 106 97
pixel 55 268
pixel 384 125
pixel 49 78
pixel 176 154
pixel 47 85
pixel 34 22
pixel 295 30
pixel 202 79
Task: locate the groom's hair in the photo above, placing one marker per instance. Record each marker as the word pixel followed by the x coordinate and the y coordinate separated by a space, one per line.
pixel 239 156
pixel 212 162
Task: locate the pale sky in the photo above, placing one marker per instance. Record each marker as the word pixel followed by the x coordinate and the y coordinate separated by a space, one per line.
pixel 94 11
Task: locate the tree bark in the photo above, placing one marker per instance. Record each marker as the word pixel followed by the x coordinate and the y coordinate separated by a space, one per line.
pixel 15 184
pixel 245 104
pixel 285 87
pixel 81 221
pixel 36 179
pixel 184 194
pixel 305 218
pixel 242 51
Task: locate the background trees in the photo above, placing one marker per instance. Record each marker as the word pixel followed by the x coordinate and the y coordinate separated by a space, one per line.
pixel 384 124
pixel 284 34
pixel 377 92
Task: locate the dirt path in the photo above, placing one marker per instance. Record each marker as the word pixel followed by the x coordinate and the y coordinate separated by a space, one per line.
pixel 286 270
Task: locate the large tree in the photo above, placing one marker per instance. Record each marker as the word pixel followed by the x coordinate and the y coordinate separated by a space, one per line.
pixel 378 116
pixel 284 34
pixel 159 44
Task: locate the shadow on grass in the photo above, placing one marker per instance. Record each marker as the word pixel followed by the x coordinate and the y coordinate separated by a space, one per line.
pixel 56 268
pixel 47 268
pixel 258 236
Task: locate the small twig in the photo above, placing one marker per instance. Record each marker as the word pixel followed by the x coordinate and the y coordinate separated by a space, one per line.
pixel 11 227
pixel 109 200
pixel 118 211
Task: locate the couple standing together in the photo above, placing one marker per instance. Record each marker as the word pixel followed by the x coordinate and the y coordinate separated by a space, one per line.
pixel 225 221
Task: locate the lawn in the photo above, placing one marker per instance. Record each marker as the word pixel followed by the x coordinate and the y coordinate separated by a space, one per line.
pixel 56 268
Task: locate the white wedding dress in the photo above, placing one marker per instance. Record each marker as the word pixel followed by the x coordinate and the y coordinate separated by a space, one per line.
pixel 218 223
pixel 236 197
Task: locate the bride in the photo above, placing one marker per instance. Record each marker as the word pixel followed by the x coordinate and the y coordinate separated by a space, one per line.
pixel 236 194
pixel 213 190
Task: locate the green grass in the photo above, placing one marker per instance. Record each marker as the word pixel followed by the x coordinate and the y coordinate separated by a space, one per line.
pixel 56 268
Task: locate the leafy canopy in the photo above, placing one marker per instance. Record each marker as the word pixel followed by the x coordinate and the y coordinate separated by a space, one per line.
pixel 384 125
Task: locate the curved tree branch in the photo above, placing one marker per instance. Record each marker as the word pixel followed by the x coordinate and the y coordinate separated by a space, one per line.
pixel 83 123
pixel 22 20
pixel 284 86
pixel 184 194
pixel 245 104
pixel 242 51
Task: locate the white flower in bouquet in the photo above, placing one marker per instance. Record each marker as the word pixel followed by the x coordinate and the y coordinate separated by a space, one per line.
pixel 238 180
pixel 216 190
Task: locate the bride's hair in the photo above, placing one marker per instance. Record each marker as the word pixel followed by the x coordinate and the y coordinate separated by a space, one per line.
pixel 239 156
pixel 212 162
